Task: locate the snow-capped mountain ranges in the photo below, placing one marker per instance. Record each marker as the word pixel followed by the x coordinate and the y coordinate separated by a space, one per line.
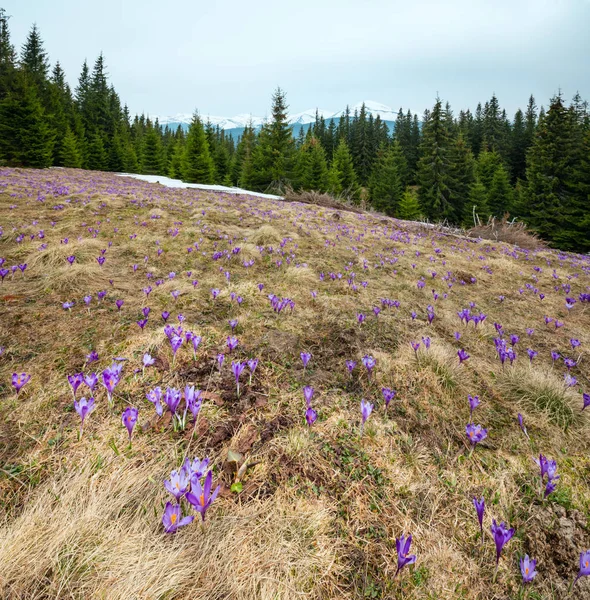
pixel 235 125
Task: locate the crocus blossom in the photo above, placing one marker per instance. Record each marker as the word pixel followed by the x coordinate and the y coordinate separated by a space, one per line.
pixel 129 419
pixel 173 519
pixel 200 496
pixel 502 535
pixel 527 568
pixel 83 407
pixel 480 507
pixel 402 545
pixel 19 380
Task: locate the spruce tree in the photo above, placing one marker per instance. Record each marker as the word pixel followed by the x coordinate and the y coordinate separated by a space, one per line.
pixel 197 164
pixel 477 205
pixel 97 155
pixel 34 60
pixel 409 207
pixel 500 193
pixel 462 175
pixel 152 157
pixel 551 189
pixel 7 56
pixel 341 176
pixel 25 136
pixel 434 172
pixel 386 182
pixel 70 152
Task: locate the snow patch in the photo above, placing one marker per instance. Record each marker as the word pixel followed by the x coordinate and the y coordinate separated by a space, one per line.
pixel 176 183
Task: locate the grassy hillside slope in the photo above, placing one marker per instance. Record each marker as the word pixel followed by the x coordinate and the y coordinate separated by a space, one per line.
pixel 317 509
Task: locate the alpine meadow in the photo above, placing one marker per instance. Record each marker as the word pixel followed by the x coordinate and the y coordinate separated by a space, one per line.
pixel 324 355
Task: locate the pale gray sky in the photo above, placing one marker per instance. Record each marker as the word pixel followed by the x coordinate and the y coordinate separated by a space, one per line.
pixel 226 58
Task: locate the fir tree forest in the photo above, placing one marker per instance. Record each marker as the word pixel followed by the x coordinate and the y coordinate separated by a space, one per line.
pixel 443 165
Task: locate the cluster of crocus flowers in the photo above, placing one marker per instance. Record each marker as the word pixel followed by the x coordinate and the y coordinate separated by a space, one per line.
pixel 547 468
pixel 193 482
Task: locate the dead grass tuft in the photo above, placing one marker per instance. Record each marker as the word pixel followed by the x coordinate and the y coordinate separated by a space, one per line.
pixel 511 232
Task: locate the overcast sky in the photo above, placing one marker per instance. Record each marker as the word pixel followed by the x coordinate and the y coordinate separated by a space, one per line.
pixel 225 58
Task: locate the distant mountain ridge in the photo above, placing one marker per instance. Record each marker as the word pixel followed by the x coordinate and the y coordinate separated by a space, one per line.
pixel 235 125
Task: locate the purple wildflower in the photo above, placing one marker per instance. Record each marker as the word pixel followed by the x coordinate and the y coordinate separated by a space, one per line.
pixel 527 569
pixel 76 381
pixel 178 483
pixel 388 395
pixel 475 433
pixel 584 565
pixel 173 519
pixel 480 507
pixel 310 416
pixel 129 419
pixel 402 546
pixel 305 358
pixel 237 367
pixel 155 397
pixel 83 408
pixel 308 394
pixel 502 536
pixel 462 354
pixel 200 497
pixel 474 402
pixel 19 380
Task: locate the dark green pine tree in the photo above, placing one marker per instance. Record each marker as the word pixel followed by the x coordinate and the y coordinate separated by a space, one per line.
pixel 577 236
pixel 500 193
pixel 553 209
pixel 434 166
pixel 70 152
pixel 494 128
pixel 152 157
pixel 476 131
pixel 96 159
pixel 519 145
pixel 197 164
pixel 342 179
pixel 273 154
pixel 385 183
pixel 361 146
pixel 530 118
pixel 34 60
pixel 244 147
pixel 7 56
pixel 25 136
pixel 462 169
pixel 311 170
pixel 487 164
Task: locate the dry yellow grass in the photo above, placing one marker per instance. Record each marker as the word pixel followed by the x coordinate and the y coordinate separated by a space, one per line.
pixel 320 507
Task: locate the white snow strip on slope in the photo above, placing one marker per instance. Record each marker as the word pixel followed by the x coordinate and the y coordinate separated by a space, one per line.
pixel 176 183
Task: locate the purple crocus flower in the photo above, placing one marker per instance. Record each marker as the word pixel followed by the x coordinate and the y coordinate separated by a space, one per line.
pixel 200 497
pixel 584 565
pixel 220 359
pixel 215 293
pixel 76 381
pixel 165 315
pixel 480 507
pixel 178 483
pixel 19 380
pixel 415 346
pixel 532 354
pixel 586 398
pixel 369 363
pixel 67 305
pixel 129 419
pixel 388 395
pixel 110 379
pixel 475 433
pixel 310 416
pixel 119 304
pixel 193 400
pixel 155 397
pixel 142 323
pixel 350 365
pixel 233 323
pixel 252 364
pixel 237 367
pixel 402 545
pixel 83 408
pixel 426 342
pixel 232 343
pixel 308 394
pixel 172 399
pixel 502 536
pixel 474 402
pixel 92 357
pixel 305 358
pixel 71 259
pixel 366 410
pixel 462 354
pixel 527 569
pixel 91 380
pixel 173 519
pixel 146 311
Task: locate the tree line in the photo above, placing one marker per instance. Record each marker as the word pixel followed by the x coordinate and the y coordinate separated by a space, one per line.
pixel 534 166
